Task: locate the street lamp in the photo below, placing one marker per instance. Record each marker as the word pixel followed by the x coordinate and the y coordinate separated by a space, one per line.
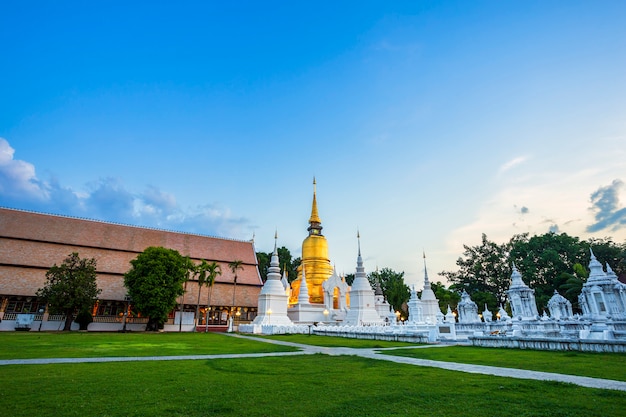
pixel 397 316
pixel 269 313
pixel 326 315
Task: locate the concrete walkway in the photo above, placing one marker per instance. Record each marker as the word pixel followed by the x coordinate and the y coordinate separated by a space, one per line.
pixel 377 354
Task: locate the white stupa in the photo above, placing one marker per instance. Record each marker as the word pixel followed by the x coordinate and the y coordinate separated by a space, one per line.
pixel 560 307
pixel 382 305
pixel 521 298
pixel 416 310
pixel 602 296
pixel 468 310
pixel 362 302
pixel 430 305
pixel 272 299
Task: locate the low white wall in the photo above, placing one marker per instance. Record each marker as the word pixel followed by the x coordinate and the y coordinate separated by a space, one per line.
pixel 549 344
pixel 388 336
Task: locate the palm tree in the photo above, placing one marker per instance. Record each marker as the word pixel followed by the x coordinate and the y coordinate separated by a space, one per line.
pixel 212 271
pixel 235 266
pixel 192 271
pixel 201 272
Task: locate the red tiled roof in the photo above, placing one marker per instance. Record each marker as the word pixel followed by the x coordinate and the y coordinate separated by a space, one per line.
pixel 113 245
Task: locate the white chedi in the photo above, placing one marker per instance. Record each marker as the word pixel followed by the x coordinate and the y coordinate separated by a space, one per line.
pixel 273 300
pixel 602 296
pixel 430 304
pixel 468 310
pixel 521 298
pixel 362 302
pixel 560 307
pixel 415 308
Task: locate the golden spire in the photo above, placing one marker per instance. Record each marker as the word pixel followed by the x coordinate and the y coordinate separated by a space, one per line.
pixel 315 217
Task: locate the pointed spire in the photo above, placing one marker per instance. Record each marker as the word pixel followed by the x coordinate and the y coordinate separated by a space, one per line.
pixel 426 282
pixel 315 217
pixel 596 273
pixel 609 271
pixel 273 272
pixel 360 270
pixel 303 295
pixel 285 280
pixel 516 278
pixel 378 290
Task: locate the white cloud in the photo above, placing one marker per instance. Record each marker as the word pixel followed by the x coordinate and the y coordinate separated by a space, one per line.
pixel 108 199
pixel 559 198
pixel 512 163
pixel 17 178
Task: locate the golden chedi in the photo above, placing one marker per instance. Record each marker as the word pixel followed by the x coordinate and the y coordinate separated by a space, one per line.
pixel 314 259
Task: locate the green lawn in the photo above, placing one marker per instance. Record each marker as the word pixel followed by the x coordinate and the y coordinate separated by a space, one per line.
pixel 333 341
pixel 598 365
pixel 18 345
pixel 308 385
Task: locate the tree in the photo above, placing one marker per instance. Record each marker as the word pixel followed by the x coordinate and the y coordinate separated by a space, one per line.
pixel 484 268
pixel 235 266
pixel 199 271
pixel 350 278
pixel 70 287
pixel 263 259
pixel 154 282
pixel 286 262
pixel 394 289
pixel 445 296
pixel 547 262
pixel 574 285
pixel 212 270
pixel 191 272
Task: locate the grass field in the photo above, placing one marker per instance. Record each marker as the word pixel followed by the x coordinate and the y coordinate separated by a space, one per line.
pixel 597 365
pixel 333 341
pixel 307 385
pixel 18 345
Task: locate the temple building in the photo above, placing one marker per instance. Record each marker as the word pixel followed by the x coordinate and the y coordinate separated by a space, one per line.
pixel 30 243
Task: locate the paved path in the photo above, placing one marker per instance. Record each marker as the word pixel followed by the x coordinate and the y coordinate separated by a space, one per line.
pixel 377 354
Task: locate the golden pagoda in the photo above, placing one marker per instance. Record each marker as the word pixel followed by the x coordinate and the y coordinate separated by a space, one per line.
pixel 314 259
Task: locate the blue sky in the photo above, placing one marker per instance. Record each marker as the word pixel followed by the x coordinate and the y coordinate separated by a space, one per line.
pixel 425 123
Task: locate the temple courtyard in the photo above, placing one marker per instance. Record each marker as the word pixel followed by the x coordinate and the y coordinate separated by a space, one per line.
pixel 296 375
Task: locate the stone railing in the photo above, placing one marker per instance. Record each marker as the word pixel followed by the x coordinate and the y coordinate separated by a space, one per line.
pixel 549 344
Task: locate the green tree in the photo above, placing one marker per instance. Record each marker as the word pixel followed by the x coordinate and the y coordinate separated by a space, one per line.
pixel 263 259
pixel 199 271
pixel 574 285
pixel 547 262
pixel 70 287
pixel 483 268
pixel 394 289
pixel 446 297
pixel 285 260
pixel 349 278
pixel 235 266
pixel 154 282
pixel 212 270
